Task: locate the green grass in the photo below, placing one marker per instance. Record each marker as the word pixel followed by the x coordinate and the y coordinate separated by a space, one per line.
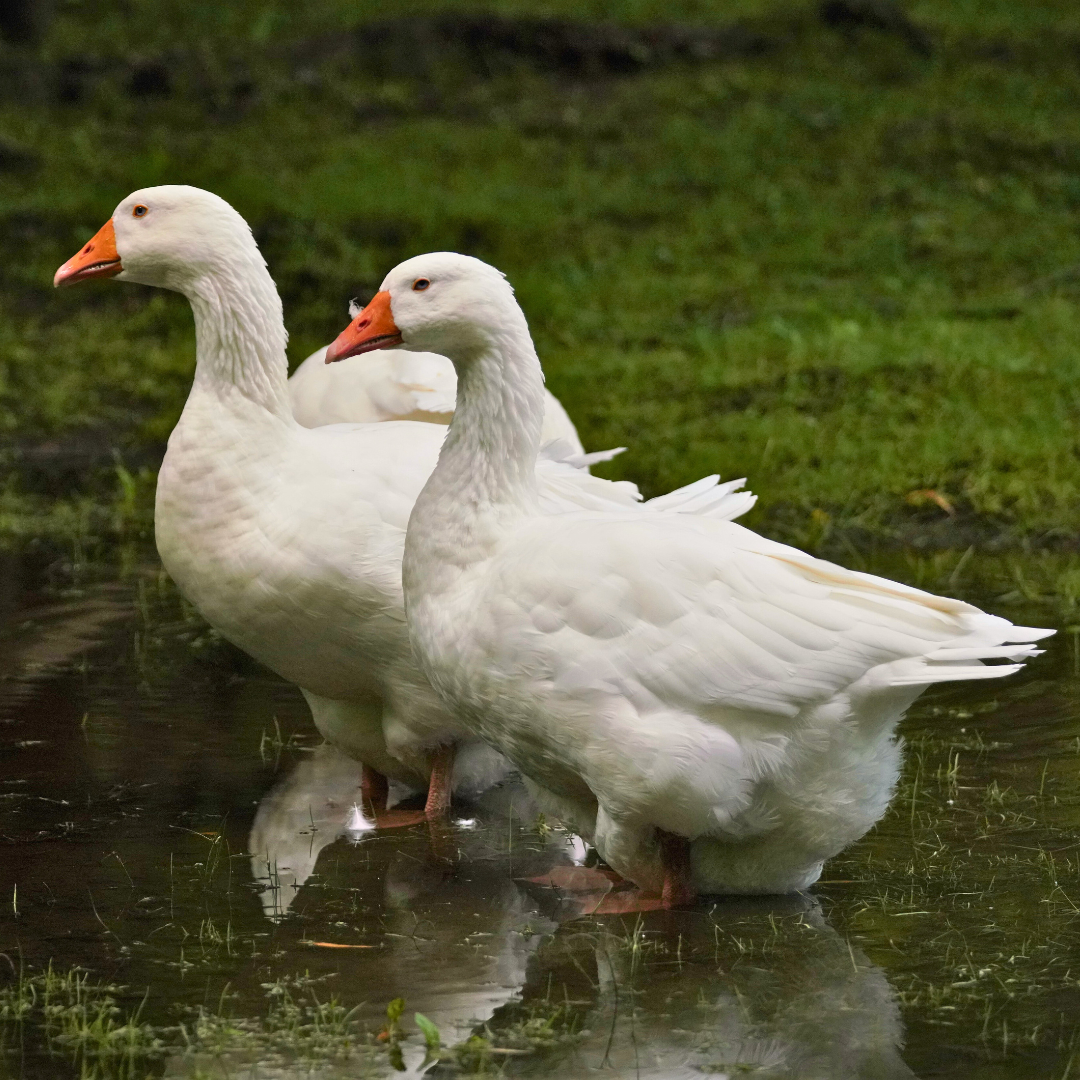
pixel 79 1018
pixel 70 1016
pixel 845 270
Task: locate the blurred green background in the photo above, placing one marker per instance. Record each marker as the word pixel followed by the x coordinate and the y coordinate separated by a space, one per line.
pixel 832 247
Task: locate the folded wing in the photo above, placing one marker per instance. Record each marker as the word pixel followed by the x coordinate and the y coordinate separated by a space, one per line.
pixel 676 610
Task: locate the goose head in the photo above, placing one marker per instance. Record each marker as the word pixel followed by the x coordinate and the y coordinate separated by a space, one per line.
pixel 442 302
pixel 171 236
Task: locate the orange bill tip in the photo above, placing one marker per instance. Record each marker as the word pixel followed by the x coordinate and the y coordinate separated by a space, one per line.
pixel 99 258
pixel 374 328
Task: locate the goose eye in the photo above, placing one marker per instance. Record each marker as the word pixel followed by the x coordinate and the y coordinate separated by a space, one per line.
pixel 420 284
pixel 140 211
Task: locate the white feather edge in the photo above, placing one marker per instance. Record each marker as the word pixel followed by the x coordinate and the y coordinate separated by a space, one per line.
pixel 567 486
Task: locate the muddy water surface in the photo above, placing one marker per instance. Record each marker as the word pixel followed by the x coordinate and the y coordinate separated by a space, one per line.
pixel 187 889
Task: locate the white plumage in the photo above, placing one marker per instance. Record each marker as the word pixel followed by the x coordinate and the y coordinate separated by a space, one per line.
pixel 287 539
pixel 655 676
pixel 397 385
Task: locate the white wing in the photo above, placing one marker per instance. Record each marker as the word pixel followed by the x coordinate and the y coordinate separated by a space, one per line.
pixel 683 612
pixel 566 485
pixel 393 384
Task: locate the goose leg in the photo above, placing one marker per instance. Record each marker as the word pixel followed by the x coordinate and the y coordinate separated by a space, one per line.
pixel 602 891
pixel 373 790
pixel 438 799
pixel 675 857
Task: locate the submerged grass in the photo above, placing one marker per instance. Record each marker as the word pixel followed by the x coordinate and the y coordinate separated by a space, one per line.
pixel 833 261
pixel 68 1015
pixel 966 892
pixel 71 1016
pixel 80 1017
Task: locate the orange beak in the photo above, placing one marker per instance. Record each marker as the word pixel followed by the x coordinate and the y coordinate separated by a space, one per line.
pixel 98 259
pixel 373 328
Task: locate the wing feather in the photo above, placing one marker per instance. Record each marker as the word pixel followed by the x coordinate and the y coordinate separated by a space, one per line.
pixel 703 614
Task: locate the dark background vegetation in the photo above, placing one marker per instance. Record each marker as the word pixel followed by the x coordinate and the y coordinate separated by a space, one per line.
pixel 829 246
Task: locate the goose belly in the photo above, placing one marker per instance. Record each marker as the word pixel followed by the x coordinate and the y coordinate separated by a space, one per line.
pixel 263 568
pixel 545 738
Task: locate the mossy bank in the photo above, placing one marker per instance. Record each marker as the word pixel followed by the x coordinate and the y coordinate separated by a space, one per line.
pixel 832 248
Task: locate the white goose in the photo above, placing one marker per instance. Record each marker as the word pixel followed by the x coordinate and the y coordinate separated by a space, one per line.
pixel 287 539
pixel 714 710
pixel 396 386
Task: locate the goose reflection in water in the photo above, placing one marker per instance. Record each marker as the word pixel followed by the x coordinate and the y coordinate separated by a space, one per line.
pixel 457 932
pixel 475 937
pixel 320 801
pixel 310 808
pixel 763 988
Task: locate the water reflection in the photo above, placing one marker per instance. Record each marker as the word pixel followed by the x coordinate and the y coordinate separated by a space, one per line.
pixel 309 808
pixel 142 817
pixel 760 989
pixel 456 930
pixel 763 987
pixel 458 976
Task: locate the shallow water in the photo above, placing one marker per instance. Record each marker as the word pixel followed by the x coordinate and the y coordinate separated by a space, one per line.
pixel 170 823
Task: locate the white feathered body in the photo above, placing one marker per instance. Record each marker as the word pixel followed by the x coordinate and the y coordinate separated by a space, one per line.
pixel 656 672
pixel 399 385
pixel 392 386
pixel 686 674
pixel 288 541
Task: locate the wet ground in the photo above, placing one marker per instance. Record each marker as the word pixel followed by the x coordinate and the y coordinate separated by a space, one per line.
pixel 186 890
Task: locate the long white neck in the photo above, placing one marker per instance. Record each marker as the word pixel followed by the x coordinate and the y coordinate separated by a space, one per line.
pixel 240 334
pixel 486 475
